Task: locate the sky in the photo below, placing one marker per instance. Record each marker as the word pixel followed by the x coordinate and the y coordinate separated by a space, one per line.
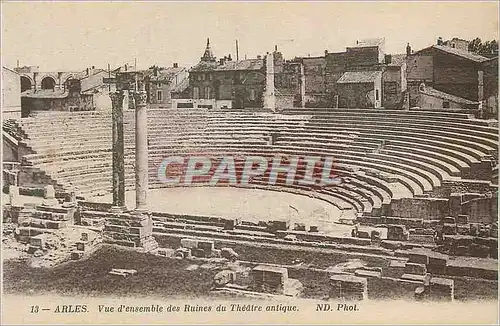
pixel 70 36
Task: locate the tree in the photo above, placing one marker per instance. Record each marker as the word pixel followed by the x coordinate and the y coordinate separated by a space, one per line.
pixel 488 47
pixel 475 45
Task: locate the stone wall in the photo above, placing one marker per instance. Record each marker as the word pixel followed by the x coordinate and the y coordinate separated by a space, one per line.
pixel 463 186
pixel 363 56
pixel 355 95
pixel 392 86
pixel 491 88
pixel 456 76
pixel 335 66
pixel 82 102
pixel 11 94
pixel 425 208
pixel 426 101
pixel 314 74
pixel 481 210
pixel 129 229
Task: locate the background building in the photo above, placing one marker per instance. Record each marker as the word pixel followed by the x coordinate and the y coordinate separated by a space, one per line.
pixel 64 91
pixel 224 83
pixel 452 71
pixel 358 77
pixel 162 82
pixel 11 94
pixel 457 43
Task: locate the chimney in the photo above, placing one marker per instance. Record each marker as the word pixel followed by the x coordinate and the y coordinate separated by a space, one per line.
pixel 408 49
pixel 87 71
pixel 93 67
pixel 326 52
pixel 229 57
pixel 275 48
pixel 221 61
pixel 176 65
pixel 388 58
pixel 440 41
pixel 259 56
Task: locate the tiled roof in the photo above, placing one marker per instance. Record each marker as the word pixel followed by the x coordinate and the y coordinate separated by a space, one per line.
pixel 445 96
pixel 13 71
pixel 163 74
pixel 45 93
pixel 397 60
pixel 180 87
pixel 461 53
pixel 358 77
pixel 248 64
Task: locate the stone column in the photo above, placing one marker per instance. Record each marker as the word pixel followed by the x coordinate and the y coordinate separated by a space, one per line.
pixel 269 94
pixel 302 86
pixel 35 81
pixel 118 151
pixel 141 149
pixel 59 81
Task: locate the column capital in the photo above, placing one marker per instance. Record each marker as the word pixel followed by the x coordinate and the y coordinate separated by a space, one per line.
pixel 140 98
pixel 117 99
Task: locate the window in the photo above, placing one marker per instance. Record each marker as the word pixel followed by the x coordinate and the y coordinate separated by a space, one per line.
pixel 202 76
pixel 159 96
pixel 252 94
pixel 390 88
pixel 185 105
pixel 376 95
pixel 446 104
pixel 207 92
pixel 198 77
pixel 196 93
pixel 210 77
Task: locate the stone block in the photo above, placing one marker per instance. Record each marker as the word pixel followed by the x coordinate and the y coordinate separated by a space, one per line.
pixel 449 220
pixel 462 219
pixel 418 269
pixel 418 258
pixel 449 229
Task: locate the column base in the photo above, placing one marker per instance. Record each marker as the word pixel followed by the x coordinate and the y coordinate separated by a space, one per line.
pixel 148 244
pixel 118 209
pixel 50 202
pixel 131 229
pixel 140 211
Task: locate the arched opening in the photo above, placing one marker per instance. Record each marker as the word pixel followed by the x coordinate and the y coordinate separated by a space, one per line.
pixel 67 82
pixel 25 83
pixel 48 83
pixel 72 84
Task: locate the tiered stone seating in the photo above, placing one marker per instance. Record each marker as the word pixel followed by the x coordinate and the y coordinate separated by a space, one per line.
pixel 11 127
pixel 385 154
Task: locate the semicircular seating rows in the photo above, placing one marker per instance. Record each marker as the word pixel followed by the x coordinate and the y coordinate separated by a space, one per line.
pixel 381 155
